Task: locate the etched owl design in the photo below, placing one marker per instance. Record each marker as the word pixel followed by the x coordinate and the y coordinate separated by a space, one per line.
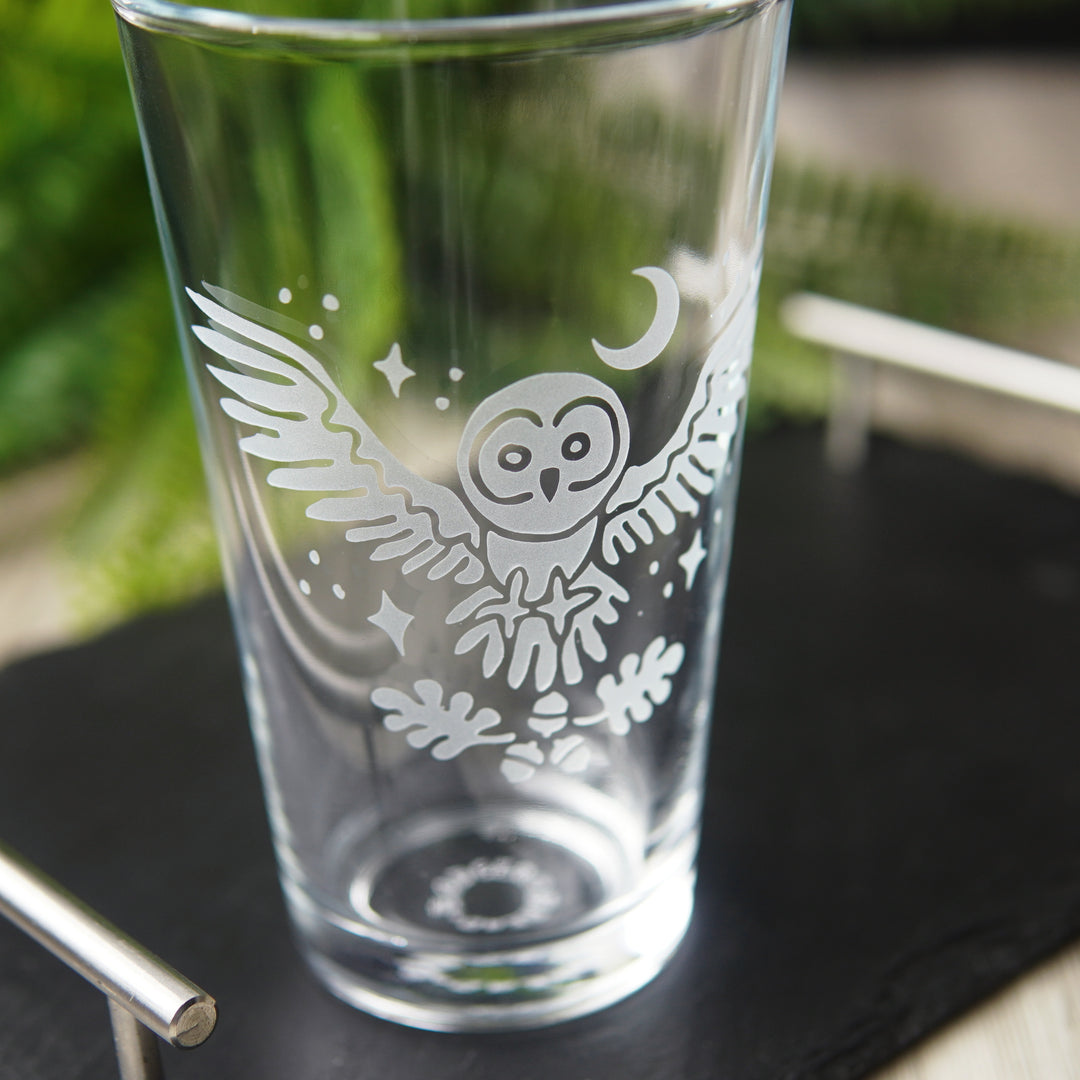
pixel 545 501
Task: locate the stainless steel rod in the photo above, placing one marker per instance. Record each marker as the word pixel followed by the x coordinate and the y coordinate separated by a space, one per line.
pixel 155 994
pixel 137 1051
pixel 887 339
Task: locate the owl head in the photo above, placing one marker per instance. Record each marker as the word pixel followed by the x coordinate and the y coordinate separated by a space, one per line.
pixel 539 456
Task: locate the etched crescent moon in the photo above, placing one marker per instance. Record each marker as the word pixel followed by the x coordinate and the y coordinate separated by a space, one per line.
pixel 648 347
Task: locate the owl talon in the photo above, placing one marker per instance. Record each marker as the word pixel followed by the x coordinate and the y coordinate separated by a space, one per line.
pixel 494 651
pixel 533 636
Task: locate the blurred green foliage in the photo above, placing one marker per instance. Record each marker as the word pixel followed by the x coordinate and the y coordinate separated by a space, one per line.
pixel 88 359
pixel 892 246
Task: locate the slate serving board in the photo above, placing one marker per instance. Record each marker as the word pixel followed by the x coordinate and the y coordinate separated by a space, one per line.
pixel 892 829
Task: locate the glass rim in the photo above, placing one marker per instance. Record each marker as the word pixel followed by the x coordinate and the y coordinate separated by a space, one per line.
pixel 620 20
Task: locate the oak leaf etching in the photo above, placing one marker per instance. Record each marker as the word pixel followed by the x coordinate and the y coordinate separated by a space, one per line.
pixel 446 729
pixel 643 683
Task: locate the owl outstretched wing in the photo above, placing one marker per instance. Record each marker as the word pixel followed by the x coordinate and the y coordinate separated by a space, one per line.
pixel 650 496
pixel 306 424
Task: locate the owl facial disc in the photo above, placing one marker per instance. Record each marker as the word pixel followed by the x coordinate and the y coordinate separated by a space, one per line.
pixel 538 457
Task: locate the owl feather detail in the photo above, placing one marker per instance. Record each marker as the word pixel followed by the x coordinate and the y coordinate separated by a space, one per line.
pixel 546 496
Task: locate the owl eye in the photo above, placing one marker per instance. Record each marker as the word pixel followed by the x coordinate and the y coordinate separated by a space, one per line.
pixel 576 446
pixel 514 457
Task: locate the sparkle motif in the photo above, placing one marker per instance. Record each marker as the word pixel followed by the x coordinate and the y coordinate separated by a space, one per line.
pixel 456 374
pixel 561 605
pixel 330 302
pixel 442 404
pixel 395 369
pixel 690 559
pixel 316 332
pixel 392 621
pixel 510 610
pixel 284 295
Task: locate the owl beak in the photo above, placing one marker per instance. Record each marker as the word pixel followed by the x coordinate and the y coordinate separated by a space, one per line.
pixel 549 483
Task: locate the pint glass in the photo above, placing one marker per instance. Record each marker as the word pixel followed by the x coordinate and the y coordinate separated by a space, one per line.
pixel 467 297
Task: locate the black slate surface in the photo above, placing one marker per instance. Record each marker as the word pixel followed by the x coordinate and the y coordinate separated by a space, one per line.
pixel 892 830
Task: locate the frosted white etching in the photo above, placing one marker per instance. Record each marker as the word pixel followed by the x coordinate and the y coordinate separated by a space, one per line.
pixel 660 332
pixel 395 369
pixel 391 620
pixel 571 753
pixel 643 683
pixel 521 761
pixel 532 895
pixel 427 722
pixel 690 559
pixel 545 506
pixel 549 714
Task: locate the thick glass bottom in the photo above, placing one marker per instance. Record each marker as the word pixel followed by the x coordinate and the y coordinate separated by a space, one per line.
pixel 474 921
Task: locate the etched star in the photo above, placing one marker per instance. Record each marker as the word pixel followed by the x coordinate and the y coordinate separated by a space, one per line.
pixel 562 605
pixel 509 610
pixel 392 621
pixel 395 369
pixel 690 559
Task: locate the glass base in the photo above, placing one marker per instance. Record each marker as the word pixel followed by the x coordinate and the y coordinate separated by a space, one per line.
pixel 502 921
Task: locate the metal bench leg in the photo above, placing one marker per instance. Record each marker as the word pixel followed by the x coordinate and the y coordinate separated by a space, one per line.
pixel 136 1046
pixel 847 431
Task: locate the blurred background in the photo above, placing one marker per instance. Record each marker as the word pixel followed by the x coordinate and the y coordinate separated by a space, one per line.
pixel 928 165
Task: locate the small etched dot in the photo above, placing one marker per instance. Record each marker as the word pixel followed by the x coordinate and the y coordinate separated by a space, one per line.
pixel 284 295
pixel 338 591
pixel 316 332
pixel 305 586
pixel 456 374
pixel 313 555
pixel 302 281
pixel 654 567
pixel 442 404
pixel 668 590
pixel 331 302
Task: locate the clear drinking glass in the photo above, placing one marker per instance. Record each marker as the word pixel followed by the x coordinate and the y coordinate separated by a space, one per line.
pixel 467 298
